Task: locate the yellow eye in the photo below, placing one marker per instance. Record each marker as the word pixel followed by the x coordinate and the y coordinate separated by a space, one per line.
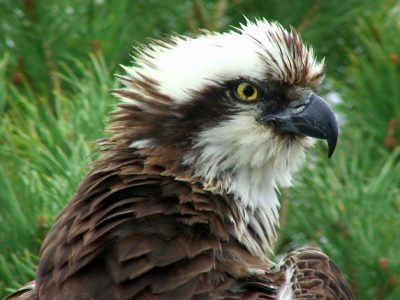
pixel 247 92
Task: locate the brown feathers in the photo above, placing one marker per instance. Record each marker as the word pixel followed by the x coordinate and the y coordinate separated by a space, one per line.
pixel 132 224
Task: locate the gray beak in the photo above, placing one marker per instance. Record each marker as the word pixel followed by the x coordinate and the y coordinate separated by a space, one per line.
pixel 314 118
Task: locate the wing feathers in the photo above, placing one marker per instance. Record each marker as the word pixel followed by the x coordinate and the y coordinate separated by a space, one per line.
pixel 181 273
pixel 135 245
pixel 128 270
pixel 316 276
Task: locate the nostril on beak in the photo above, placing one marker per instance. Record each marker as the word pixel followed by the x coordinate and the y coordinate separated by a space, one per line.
pixel 269 120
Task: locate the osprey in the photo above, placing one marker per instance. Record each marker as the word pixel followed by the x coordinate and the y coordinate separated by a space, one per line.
pixel 182 204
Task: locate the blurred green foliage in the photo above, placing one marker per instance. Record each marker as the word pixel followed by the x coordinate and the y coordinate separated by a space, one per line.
pixel 56 64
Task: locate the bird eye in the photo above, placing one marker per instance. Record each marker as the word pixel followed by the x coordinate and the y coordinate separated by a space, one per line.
pixel 247 92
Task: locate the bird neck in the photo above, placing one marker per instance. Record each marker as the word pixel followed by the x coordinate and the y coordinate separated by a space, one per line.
pixel 252 179
pixel 254 196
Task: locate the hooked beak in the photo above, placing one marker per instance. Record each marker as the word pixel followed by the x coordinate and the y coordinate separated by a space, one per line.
pixel 313 118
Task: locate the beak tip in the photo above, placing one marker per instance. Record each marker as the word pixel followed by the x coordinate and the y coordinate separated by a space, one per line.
pixel 330 151
pixel 332 140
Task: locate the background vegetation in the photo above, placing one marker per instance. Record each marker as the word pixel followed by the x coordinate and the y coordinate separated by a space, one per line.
pixel 56 64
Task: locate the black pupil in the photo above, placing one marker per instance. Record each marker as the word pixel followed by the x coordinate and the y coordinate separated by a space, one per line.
pixel 248 91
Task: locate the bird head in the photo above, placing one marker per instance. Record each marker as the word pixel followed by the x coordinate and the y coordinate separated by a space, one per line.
pixel 237 108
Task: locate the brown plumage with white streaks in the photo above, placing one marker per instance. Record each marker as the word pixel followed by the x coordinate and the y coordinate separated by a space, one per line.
pixel 182 204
